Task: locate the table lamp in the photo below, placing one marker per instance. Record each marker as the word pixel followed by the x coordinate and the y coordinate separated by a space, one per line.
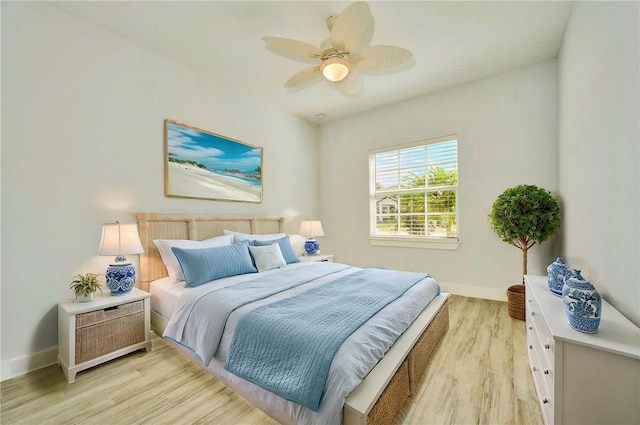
pixel 311 228
pixel 120 240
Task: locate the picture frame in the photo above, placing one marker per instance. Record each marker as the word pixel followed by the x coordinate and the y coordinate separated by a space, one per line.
pixel 200 164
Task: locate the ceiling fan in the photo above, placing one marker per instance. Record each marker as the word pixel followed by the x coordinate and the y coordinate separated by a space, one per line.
pixel 343 53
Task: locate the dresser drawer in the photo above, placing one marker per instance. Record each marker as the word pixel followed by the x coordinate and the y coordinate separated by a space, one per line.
pixel 543 348
pixel 536 325
pixel 542 369
pixel 544 385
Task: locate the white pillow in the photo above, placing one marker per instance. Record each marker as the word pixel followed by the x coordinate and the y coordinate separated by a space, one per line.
pixel 239 237
pixel 267 257
pixel 171 262
pixel 297 242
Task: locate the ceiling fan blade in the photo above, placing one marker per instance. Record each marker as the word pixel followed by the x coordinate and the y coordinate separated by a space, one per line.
pixel 381 57
pixel 292 48
pixel 351 86
pixel 303 76
pixel 352 26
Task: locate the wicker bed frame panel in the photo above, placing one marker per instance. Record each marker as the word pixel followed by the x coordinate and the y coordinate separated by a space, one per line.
pixel 389 406
pixel 405 382
pixel 422 353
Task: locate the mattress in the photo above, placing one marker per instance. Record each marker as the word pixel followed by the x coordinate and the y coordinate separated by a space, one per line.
pixel 165 294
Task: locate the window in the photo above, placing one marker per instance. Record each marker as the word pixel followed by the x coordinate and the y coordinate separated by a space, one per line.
pixel 414 194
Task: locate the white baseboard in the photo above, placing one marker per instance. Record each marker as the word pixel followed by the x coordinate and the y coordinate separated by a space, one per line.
pixel 28 363
pixel 474 291
pixel 5 371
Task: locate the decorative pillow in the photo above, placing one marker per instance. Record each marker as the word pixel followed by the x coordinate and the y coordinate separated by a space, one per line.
pixel 239 237
pixel 206 264
pixel 171 262
pixel 267 257
pixel 288 253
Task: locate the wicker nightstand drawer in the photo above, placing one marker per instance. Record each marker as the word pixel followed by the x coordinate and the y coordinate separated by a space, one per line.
pixel 106 336
pixel 108 313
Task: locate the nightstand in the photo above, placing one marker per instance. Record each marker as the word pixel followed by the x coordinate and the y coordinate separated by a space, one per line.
pixel 94 332
pixel 319 257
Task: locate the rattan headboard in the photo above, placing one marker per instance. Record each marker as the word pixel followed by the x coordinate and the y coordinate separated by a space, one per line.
pixel 195 227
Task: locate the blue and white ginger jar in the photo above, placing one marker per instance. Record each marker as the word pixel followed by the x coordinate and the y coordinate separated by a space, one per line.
pixel 582 302
pixel 556 272
pixel 120 278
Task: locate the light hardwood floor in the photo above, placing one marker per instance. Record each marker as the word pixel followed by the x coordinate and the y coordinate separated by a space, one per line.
pixel 479 375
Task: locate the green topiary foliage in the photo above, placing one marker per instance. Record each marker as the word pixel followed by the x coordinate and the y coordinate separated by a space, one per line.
pixel 523 216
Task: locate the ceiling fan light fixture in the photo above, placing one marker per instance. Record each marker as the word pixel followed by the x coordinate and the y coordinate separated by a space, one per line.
pixel 347 49
pixel 335 68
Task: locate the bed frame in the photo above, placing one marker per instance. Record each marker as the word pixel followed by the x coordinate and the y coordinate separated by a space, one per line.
pixel 382 395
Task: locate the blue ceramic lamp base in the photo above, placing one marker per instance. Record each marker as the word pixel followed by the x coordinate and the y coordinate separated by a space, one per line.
pixel 120 278
pixel 311 247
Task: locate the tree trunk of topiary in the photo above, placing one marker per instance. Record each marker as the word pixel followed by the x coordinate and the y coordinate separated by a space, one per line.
pixel 524 262
pixel 524 248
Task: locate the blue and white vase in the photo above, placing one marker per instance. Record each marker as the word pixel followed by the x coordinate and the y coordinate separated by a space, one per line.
pixel 120 278
pixel 556 272
pixel 311 246
pixel 582 302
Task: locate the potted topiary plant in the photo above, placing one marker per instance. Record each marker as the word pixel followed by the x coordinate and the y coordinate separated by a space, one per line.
pixel 523 216
pixel 83 286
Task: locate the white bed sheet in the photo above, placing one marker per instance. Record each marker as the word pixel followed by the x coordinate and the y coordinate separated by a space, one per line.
pixel 373 335
pixel 165 294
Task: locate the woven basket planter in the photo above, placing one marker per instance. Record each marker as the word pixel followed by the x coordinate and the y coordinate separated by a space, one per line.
pixel 516 301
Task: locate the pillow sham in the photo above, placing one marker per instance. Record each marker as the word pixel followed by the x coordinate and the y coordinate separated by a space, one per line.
pixel 288 253
pixel 206 264
pixel 171 262
pixel 267 257
pixel 297 241
pixel 239 237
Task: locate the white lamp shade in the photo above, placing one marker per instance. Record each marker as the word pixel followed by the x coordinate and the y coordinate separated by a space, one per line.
pixel 120 239
pixel 311 228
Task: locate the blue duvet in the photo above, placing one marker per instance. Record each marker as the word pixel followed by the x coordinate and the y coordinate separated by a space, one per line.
pixel 287 347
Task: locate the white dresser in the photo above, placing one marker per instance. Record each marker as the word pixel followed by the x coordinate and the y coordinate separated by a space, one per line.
pixel 582 378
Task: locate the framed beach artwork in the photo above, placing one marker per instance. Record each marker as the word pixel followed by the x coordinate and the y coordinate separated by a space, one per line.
pixel 204 165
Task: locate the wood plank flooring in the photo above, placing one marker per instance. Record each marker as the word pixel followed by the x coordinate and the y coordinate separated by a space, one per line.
pixel 479 375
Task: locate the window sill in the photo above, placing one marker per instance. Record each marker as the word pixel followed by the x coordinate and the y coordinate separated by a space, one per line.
pixel 426 243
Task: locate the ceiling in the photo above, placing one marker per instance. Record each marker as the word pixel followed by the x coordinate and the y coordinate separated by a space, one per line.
pixel 452 43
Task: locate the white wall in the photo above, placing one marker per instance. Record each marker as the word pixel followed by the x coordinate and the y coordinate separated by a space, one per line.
pixel 599 145
pixel 82 144
pixel 507 135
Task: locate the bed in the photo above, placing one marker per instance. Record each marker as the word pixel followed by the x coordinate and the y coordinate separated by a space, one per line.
pixel 374 395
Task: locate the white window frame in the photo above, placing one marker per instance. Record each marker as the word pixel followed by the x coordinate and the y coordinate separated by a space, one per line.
pixel 411 241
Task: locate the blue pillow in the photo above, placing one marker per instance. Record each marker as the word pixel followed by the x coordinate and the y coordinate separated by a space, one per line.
pixel 286 248
pixel 204 265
